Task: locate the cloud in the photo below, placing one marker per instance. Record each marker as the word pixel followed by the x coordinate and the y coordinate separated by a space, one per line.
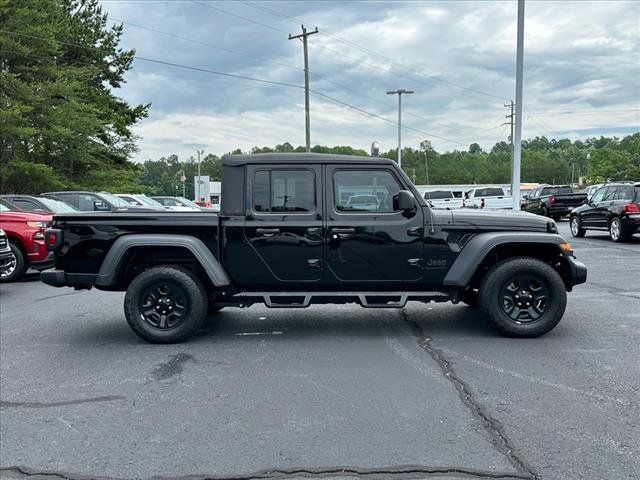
pixel 581 58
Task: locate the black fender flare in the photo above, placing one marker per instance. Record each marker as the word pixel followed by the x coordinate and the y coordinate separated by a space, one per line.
pixel 472 255
pixel 113 260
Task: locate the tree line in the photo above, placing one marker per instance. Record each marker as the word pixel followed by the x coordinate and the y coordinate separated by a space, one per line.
pixel 63 127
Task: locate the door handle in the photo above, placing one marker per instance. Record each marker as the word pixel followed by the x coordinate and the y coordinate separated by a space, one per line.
pixel 313 230
pixel 343 230
pixel 414 231
pixel 267 232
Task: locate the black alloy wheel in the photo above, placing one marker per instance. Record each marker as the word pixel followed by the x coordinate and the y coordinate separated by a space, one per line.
pixel 524 299
pixel 163 306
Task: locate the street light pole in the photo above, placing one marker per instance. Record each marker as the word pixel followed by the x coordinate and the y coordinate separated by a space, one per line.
pixel 400 92
pixel 517 144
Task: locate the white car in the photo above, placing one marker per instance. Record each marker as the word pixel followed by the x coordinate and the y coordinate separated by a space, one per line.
pixel 446 199
pixel 178 204
pixel 489 198
pixel 591 189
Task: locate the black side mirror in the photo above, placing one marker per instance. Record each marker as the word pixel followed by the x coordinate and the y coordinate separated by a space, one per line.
pixel 403 200
pixel 525 197
pixel 100 206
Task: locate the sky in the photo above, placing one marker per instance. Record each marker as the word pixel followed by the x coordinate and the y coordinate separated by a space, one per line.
pixel 581 72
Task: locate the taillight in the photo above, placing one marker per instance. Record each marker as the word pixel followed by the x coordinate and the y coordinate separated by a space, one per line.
pixel 631 208
pixel 552 200
pixel 53 238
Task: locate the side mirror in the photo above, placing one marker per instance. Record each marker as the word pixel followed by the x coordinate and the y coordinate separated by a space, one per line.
pixel 525 197
pixel 403 200
pixel 100 206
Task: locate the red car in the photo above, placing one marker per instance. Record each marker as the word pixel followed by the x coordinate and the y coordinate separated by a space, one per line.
pixel 25 231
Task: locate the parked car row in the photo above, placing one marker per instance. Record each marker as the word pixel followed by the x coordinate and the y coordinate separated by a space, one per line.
pixel 24 218
pixel 612 207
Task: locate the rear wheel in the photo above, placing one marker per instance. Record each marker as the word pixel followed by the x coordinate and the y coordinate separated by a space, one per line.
pixel 15 267
pixel 165 304
pixel 616 232
pixel 544 211
pixel 523 297
pixel 576 227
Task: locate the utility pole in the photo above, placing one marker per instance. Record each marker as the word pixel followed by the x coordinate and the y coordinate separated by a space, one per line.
pixel 303 36
pixel 400 92
pixel 511 118
pixel 517 147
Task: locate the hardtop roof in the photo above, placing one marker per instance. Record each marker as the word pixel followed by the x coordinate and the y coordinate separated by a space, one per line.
pixel 296 157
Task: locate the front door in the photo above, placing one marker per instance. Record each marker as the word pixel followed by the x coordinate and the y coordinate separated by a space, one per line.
pixel 370 241
pixel 283 225
pixel 595 216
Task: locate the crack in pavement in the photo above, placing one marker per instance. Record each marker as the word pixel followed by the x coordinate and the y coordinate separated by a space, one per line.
pixel 106 398
pixel 493 427
pixel 396 472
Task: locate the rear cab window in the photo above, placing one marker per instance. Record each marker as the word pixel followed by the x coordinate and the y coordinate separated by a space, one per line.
pixel 489 192
pixel 438 195
pixel 284 191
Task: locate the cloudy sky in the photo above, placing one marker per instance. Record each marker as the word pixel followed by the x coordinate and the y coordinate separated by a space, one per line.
pixel 581 69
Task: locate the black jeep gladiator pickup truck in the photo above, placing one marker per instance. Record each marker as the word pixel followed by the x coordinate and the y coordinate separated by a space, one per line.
pixel 293 231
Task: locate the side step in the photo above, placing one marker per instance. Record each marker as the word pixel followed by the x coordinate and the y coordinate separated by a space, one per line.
pixel 365 299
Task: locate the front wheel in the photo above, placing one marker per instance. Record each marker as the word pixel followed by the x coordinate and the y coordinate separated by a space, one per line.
pixel 165 304
pixel 523 297
pixel 576 228
pixel 15 267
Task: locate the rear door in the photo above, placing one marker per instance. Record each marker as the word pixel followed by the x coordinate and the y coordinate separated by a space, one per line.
pixel 371 242
pixel 283 225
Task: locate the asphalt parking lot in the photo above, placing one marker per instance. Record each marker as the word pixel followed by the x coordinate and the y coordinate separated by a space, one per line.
pixel 429 391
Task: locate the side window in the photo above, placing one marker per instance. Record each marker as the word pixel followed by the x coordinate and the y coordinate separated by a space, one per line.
pixel 85 202
pixel 624 193
pixel 535 193
pixel 65 197
pixel 276 191
pixel 364 190
pixel 24 204
pixel 610 194
pixel 597 197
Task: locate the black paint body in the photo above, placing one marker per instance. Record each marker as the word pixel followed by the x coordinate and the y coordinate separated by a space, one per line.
pixel 322 249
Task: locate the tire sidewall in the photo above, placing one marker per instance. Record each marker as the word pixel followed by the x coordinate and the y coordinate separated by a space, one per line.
pixel 620 232
pixel 21 264
pixel 503 273
pixel 579 230
pixel 195 298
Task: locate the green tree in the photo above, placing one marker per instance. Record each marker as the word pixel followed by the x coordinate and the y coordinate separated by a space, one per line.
pixel 59 65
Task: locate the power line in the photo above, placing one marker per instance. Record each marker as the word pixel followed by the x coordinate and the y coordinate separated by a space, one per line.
pixel 226 12
pixel 372 52
pixel 210 45
pixel 243 77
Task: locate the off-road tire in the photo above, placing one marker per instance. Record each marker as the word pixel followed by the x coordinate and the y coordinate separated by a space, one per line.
pixel 20 267
pixel 190 291
pixel 616 230
pixel 576 227
pixel 501 275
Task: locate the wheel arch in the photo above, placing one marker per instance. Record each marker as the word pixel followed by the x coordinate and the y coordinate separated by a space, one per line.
pixel 130 254
pixel 487 249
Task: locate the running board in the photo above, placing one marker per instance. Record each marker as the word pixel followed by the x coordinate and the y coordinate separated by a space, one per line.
pixel 365 299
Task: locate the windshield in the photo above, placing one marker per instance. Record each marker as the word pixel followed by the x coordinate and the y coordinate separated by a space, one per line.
pixel 439 194
pixel 148 201
pixel 187 203
pixel 556 190
pixel 115 201
pixel 4 208
pixel 57 206
pixel 489 192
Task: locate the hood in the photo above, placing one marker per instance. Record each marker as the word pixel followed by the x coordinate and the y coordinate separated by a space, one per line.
pixel 503 220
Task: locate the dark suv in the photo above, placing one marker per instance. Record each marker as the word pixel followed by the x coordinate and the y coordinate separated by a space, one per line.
pixel 614 207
